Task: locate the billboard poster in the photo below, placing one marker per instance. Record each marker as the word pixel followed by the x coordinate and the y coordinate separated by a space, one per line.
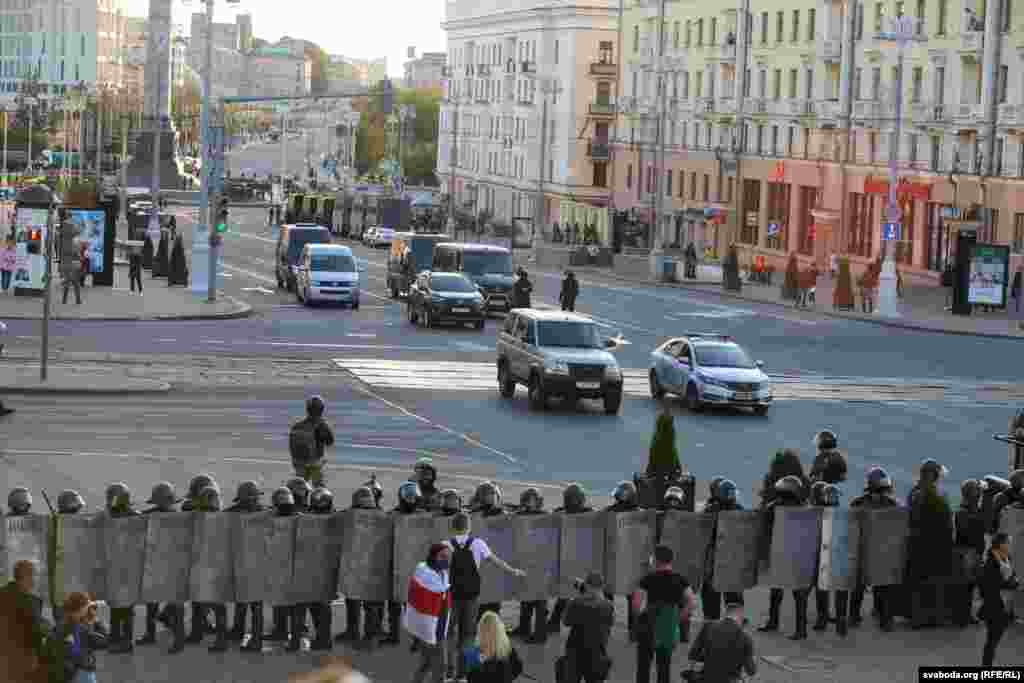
pixel 90 227
pixel 990 265
pixel 30 240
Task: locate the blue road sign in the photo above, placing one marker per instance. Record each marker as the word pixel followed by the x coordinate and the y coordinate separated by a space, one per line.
pixel 773 229
pixel 891 232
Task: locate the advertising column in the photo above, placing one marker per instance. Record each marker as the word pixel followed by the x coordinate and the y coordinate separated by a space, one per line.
pixel 30 226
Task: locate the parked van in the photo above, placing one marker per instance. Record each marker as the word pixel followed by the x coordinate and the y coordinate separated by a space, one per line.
pixel 405 246
pixel 290 243
pixel 328 272
pixel 489 266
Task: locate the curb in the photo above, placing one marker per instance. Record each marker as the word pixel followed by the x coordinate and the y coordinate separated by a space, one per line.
pixel 710 288
pixel 241 310
pixel 158 388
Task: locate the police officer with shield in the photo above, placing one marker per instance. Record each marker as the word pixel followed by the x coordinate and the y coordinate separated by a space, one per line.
pixel 827 495
pixel 122 617
pixel 878 495
pixel 209 500
pixel 200 618
pixel 451 503
pixel 789 492
pixel 425 474
pixel 721 498
pixel 19 502
pixel 164 499
pixel 574 502
pixel 247 501
pixel 488 504
pixel 301 491
pixel 532 503
pixel 410 502
pixel 626 499
pixel 362 499
pixel 321 502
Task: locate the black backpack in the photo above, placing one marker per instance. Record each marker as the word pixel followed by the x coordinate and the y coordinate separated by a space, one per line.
pixel 465 577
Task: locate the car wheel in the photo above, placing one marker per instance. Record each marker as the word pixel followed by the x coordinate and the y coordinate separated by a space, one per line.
pixel 480 325
pixel 760 411
pixel 413 318
pixel 538 397
pixel 693 399
pixel 506 385
pixel 612 402
pixel 657 391
pixel 355 305
pixel 280 282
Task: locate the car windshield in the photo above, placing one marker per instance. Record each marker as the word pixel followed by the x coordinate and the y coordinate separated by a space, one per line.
pixel 334 263
pixel 484 262
pixel 299 239
pixel 722 356
pixel 577 335
pixel 451 283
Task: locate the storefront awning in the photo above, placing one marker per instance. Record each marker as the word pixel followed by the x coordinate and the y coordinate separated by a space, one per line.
pixel 906 188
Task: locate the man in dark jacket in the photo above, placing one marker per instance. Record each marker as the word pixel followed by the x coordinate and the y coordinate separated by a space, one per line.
pixel 878 495
pixel 590 618
pixel 570 290
pixel 574 502
pixel 247 501
pixel 724 648
pixel 135 270
pixel 722 499
pixel 997 576
pixel 930 545
pixel 308 439
pixel 829 464
pixel 163 499
pixel 970 544
pixel 21 611
pixel 521 290
pixel 789 492
pixel 532 503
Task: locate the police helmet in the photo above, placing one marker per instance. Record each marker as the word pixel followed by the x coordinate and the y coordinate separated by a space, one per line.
pixel 282 496
pixel 822 493
pixel 247 492
pixel 790 485
pixel 625 493
pixel 198 483
pixel 451 501
pixel 375 488
pixel 826 440
pixel 714 487
pixel 163 495
pixel 409 493
pixel 487 494
pixel 877 480
pixel 115 491
pixel 574 497
pixel 531 500
pixel 727 491
pixel 1017 480
pixel 70 502
pixel 971 489
pixel 321 499
pixel 362 499
pixel 19 500
pixel 425 471
pixel 209 499
pixel 315 406
pixel 933 469
pixel 300 489
pixel 675 498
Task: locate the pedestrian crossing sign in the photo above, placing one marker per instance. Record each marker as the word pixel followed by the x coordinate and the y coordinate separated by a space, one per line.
pixel 891 232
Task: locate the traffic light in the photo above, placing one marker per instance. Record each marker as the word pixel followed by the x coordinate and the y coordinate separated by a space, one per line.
pixel 387 97
pixel 222 216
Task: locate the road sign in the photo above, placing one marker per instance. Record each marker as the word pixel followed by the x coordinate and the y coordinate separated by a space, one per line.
pixel 891 232
pixel 773 229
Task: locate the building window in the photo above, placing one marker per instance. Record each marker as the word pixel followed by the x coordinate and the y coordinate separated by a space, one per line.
pixel 699 83
pixel 940 29
pixel 811 19
pixel 780 25
pixel 859 14
pixel 918 78
pixel 700 32
pixel 778 214
pixel 1005 16
pixel 808 200
pixel 1004 76
pixel 705 187
pixel 876 83
pixel 600 174
pixel 675 35
pixel 728 190
pixel 935 153
pixel 879 15
pixel 795 29
pixel 668 183
pixel 629 176
pixel 940 89
pixel 556 52
pixel 636 38
pixel 790 140
pixel 764 28
pixel 746 84
pixel 1000 149
pixel 682 181
pixel 689 33
pixel 912 143
pixel 714 29
pixel 905 247
pixel 793 83
pixel 872 147
pixel 919 14
pixel 777 84
pixel 859 228
pixel 1018 233
pixel 752 207
pixel 775 141
pixel 693 186
pixel 686 85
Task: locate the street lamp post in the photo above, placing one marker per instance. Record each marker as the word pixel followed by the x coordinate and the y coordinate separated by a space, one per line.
pixel 549 87
pixel 902 32
pixel 405 113
pixel 657 258
pixel 153 229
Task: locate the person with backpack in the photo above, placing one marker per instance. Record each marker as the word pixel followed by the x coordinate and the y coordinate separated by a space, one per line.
pixel 307 441
pixel 467 554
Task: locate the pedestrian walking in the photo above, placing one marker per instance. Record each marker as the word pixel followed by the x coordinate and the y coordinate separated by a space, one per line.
pixel 998 583
pixel 590 618
pixel 428 611
pixel 467 553
pixel 521 290
pixel 8 260
pixel 135 270
pixel 570 290
pixel 724 649
pixel 668 598
pixel 499 661
pixel 72 645
pixel 71 273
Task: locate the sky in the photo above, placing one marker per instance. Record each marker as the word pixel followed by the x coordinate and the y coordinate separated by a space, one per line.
pixel 379 28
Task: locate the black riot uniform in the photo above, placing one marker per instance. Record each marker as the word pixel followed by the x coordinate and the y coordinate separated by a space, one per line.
pixel 878 495
pixel 827 495
pixel 301 490
pixel 19 502
pixel 929 546
pixel 164 499
pixel 722 498
pixel 69 502
pixel 488 504
pixel 574 502
pixel 970 542
pixel 200 619
pixel 285 506
pixel 247 501
pixel 122 617
pixel 829 464
pixel 364 498
pixel 410 502
pixel 626 500
pixel 209 501
pixel 532 503
pixel 1014 495
pixel 789 492
pixel 451 504
pixel 425 474
pixel 321 502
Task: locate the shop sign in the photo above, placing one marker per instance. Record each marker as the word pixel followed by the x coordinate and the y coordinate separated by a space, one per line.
pixel 905 188
pixel 990 268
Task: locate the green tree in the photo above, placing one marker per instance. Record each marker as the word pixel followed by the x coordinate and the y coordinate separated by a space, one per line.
pixel 663 457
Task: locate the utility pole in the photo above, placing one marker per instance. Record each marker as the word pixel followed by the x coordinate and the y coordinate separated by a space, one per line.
pixel 201 238
pixel 658 239
pixel 47 293
pixel 158 129
pixel 739 140
pixel 452 165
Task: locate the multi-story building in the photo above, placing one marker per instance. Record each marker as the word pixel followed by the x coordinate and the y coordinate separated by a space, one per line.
pixel 779 120
pixel 528 109
pixel 275 71
pixel 61 43
pixel 425 71
pixel 341 75
pixel 244 22
pixel 365 71
pixel 224 35
pixel 230 66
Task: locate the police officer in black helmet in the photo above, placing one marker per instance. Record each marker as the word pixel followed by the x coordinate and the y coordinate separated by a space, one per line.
pixel 1011 496
pixel 70 502
pixel 307 440
pixel 122 617
pixel 574 502
pixel 19 502
pixel 376 489
pixel 488 504
pixel 209 501
pixel 247 501
pixel 321 502
pixel 283 502
pixel 164 499
pixel 626 499
pixel 198 483
pixel 970 543
pixel 721 498
pixel 829 464
pixel 425 474
pixel 828 495
pixel 451 503
pixel 362 499
pixel 531 502
pixel 410 502
pixel 878 495
pixel 300 490
pixel 789 492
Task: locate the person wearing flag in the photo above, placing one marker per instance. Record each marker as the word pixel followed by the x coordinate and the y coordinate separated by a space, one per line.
pixel 426 613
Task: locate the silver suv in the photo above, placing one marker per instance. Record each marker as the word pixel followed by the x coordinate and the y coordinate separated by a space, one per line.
pixel 555 353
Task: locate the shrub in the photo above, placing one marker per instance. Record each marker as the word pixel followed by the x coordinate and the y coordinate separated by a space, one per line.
pixel 663 457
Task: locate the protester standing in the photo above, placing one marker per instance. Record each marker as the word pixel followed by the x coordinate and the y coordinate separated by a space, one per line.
pixel 669 598
pixel 570 290
pixel 499 661
pixel 22 626
pixel 429 605
pixel 73 643
pixel 71 273
pixel 998 582
pixel 307 440
pixel 8 260
pixel 724 648
pixel 135 270
pixel 590 618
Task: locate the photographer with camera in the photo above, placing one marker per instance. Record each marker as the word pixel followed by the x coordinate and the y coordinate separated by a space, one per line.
pixel 724 649
pixel 589 618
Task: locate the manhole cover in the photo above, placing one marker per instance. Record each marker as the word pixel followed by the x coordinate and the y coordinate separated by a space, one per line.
pixel 798 664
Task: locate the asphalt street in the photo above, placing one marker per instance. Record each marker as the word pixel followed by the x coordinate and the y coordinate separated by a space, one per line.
pixel 894 396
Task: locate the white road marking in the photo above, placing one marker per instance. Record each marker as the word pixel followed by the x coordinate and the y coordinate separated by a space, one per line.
pixel 255 276
pixel 363 335
pixel 347 346
pixel 261 290
pixel 212 341
pixel 167 339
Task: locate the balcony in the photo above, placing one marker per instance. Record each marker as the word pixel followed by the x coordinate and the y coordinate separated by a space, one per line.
pixel 757 105
pixel 1011 115
pixel 598 150
pixel 483 70
pixel 923 113
pixel 510 68
pixel 971 45
pixel 870 112
pixel 525 102
pixel 604 69
pixel 801 107
pixel 527 67
pixel 602 109
pixel 829 109
pixel 705 105
pixel 967 114
pixel 727 105
pixel 831 50
pixel 727 52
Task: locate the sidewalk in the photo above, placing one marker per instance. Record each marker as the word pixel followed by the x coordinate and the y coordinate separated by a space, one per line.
pixel 23 378
pixel 158 302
